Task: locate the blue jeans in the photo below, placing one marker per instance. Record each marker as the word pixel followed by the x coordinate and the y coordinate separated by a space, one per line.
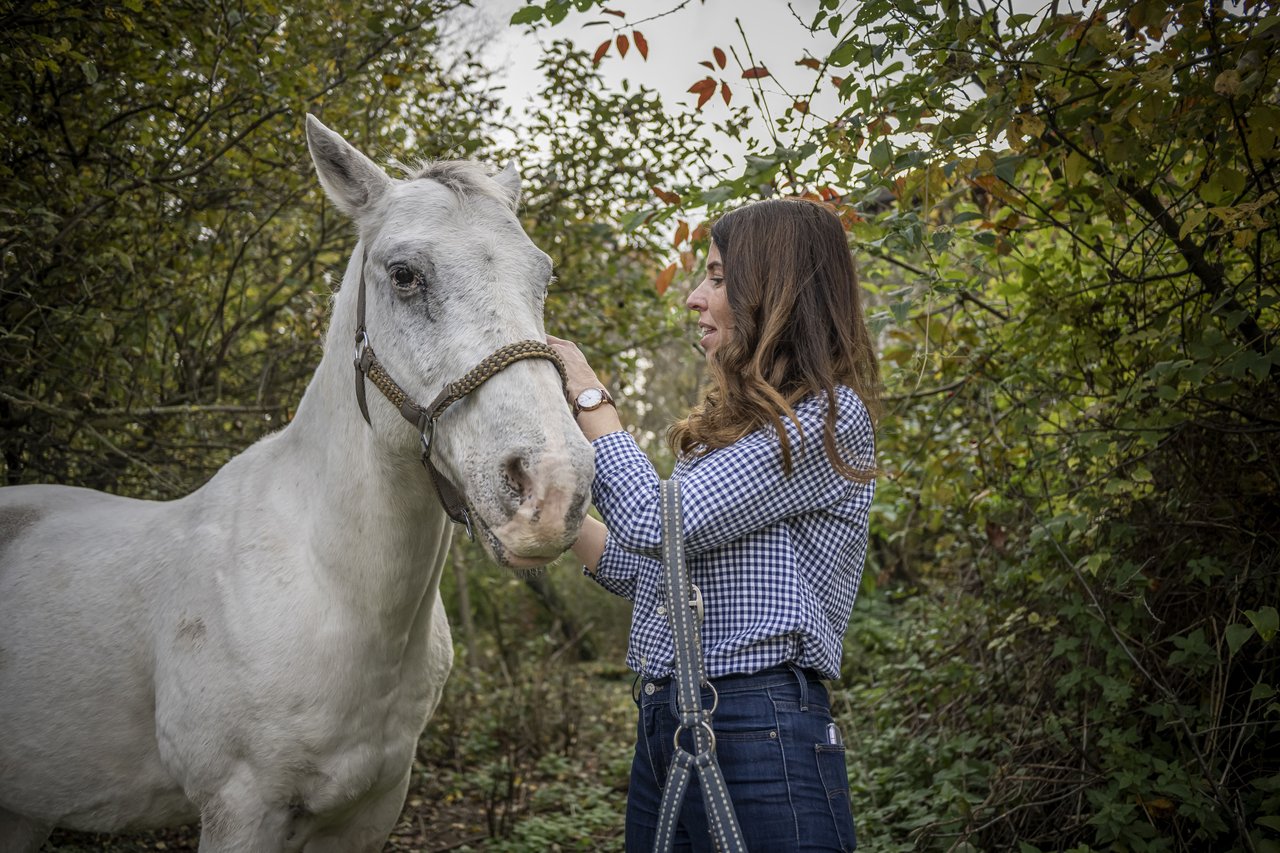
pixel 774 734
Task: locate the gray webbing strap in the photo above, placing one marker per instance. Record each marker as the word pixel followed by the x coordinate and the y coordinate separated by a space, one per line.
pixel 684 606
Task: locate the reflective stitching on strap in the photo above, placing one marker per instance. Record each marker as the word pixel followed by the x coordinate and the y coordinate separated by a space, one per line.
pixel 688 677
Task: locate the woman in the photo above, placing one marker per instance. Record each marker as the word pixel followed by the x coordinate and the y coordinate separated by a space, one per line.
pixel 776 477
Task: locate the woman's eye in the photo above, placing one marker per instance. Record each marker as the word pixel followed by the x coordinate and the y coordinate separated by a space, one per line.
pixel 403 276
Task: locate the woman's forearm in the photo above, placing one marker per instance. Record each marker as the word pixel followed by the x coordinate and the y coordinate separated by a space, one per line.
pixel 590 544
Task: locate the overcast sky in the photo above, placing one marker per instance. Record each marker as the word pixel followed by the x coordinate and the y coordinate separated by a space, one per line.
pixel 676 44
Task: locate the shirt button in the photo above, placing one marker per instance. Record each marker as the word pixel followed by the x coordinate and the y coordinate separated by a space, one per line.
pixel 649 688
pixel 662 609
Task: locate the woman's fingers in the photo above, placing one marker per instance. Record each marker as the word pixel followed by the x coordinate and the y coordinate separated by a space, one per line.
pixel 580 374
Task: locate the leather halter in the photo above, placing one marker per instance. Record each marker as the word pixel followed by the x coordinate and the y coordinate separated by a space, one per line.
pixel 424 418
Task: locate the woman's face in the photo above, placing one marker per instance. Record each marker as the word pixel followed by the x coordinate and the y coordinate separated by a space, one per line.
pixel 711 302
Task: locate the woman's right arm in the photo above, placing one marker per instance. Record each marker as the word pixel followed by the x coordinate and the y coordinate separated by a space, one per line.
pixel 590 544
pixel 614 568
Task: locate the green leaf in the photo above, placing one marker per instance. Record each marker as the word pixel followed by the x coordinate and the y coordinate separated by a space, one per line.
pixel 1077 164
pixel 1261 691
pixel 1194 217
pixel 556 11
pixel 635 220
pixel 1237 635
pixel 715 195
pixel 527 15
pixel 843 54
pixel 1270 822
pixel 880 155
pixel 1266 620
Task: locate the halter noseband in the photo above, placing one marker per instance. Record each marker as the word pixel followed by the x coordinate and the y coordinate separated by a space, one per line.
pixel 424 418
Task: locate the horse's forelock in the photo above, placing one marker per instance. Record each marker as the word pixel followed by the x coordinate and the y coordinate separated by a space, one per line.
pixel 462 177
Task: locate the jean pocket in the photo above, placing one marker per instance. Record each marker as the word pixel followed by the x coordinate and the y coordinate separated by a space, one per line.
pixel 834 773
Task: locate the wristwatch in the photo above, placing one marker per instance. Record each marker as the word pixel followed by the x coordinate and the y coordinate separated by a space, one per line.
pixel 591 399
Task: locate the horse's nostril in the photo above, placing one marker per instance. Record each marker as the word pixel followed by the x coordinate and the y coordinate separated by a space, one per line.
pixel 516 475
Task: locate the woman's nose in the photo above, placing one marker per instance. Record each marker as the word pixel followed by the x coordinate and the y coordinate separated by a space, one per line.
pixel 696 302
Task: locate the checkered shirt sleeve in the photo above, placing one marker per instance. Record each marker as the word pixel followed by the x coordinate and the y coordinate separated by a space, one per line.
pixel 778 557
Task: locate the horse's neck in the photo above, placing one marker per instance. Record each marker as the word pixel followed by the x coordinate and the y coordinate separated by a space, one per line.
pixel 373 520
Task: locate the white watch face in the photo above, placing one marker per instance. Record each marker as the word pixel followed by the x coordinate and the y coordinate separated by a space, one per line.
pixel 590 398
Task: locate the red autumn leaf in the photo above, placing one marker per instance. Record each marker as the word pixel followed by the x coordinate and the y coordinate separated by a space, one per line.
pixel 700 233
pixel 687 261
pixel 664 279
pixel 828 194
pixel 719 55
pixel 666 195
pixel 725 93
pixel 624 44
pixel 755 73
pixel 614 12
pixel 801 107
pixel 682 233
pixel 642 44
pixel 708 64
pixel 837 82
pixel 809 62
pixel 704 89
pixel 600 52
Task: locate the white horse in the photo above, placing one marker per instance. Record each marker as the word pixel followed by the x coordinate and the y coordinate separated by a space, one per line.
pixel 264 653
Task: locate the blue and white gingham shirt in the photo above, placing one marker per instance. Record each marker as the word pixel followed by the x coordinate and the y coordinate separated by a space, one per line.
pixel 778 558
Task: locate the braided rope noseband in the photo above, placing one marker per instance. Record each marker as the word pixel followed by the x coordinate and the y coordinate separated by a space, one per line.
pixel 424 418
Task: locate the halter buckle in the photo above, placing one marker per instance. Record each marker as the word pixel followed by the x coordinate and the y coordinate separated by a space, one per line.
pixel 696 601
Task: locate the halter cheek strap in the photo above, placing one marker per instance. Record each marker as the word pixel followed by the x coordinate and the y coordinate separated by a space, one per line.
pixel 424 418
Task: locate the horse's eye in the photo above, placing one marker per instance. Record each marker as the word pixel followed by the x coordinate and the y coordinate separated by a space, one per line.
pixel 403 277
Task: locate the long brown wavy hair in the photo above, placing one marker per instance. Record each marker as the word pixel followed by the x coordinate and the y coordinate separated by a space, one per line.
pixel 798 329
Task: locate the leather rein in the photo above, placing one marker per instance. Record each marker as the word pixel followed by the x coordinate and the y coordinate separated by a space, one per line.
pixel 424 418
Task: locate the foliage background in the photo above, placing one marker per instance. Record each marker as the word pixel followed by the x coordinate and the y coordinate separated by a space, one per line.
pixel 1066 222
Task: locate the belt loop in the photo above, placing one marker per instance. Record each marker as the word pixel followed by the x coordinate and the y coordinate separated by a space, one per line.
pixel 804 685
pixel 673 699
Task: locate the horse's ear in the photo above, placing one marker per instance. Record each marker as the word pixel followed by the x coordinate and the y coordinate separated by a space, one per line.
pixel 352 181
pixel 509 180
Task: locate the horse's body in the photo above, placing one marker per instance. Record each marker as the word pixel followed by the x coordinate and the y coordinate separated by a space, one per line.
pixel 264 653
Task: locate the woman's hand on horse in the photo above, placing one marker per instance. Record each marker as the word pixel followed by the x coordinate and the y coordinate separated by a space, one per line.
pixel 580 374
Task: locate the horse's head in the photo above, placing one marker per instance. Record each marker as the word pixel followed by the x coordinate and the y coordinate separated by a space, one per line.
pixel 451 277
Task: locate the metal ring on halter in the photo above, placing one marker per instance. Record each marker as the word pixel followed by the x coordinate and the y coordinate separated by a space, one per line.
pixel 362 344
pixel 427 432
pixel 675 739
pixel 715 696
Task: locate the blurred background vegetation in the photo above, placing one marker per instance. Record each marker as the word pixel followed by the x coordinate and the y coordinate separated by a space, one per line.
pixel 1066 222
